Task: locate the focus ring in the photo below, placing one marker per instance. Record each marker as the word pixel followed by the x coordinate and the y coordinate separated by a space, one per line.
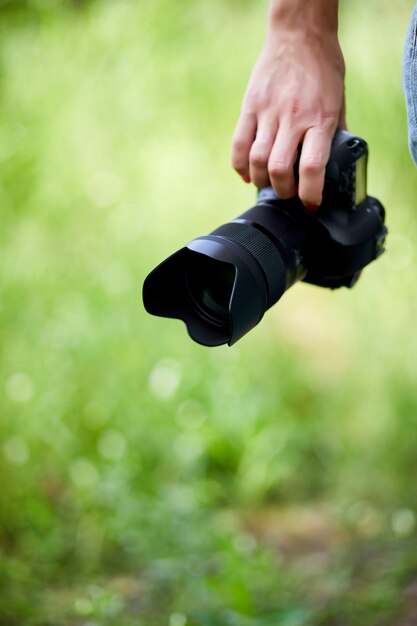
pixel 262 250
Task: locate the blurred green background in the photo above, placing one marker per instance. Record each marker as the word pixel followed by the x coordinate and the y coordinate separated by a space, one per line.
pixel 146 480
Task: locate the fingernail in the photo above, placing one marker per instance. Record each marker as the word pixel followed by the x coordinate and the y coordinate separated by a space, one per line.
pixel 311 207
pixel 245 178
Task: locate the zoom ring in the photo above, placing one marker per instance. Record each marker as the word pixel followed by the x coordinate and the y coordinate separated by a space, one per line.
pixel 265 253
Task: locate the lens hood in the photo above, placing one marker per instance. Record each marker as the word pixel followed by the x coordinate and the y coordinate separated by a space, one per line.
pixel 166 290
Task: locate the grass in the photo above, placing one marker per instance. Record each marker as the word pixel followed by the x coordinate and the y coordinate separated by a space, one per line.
pixel 147 480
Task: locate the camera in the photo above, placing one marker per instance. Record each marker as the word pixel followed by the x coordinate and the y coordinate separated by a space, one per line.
pixel 221 284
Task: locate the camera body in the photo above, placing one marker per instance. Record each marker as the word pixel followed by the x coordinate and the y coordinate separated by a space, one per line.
pixel 220 285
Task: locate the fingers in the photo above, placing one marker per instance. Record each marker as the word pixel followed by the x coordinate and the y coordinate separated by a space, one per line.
pixel 267 158
pixel 314 156
pixel 260 151
pixel 281 161
pixel 242 143
pixel 264 155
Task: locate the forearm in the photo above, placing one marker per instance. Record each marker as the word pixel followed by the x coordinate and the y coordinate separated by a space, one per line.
pixel 295 27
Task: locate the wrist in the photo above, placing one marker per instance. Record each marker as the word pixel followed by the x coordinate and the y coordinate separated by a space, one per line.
pixel 313 17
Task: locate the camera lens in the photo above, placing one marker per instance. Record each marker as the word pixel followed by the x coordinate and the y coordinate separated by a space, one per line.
pixel 209 286
pixel 221 284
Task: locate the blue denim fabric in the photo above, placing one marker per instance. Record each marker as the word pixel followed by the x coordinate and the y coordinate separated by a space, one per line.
pixel 410 83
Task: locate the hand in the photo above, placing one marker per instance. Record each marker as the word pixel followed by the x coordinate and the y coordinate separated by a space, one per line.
pixel 295 96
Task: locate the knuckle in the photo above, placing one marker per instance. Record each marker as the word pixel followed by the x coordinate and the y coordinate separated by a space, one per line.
pixel 330 116
pixel 239 166
pixel 327 122
pixel 258 158
pixel 239 145
pixel 280 169
pixel 236 163
pixel 312 166
pixel 256 99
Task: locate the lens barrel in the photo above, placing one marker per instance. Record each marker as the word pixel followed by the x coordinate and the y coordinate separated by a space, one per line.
pixel 221 285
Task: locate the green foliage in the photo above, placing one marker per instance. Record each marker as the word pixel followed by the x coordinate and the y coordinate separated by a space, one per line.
pixel 146 480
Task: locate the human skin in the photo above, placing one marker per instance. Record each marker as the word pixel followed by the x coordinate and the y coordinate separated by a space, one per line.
pixel 295 96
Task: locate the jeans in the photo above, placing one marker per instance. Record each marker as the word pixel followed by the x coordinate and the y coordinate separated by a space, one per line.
pixel 410 83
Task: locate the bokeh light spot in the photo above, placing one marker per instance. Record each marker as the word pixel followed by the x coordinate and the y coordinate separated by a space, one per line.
pixel 94 416
pixel 164 379
pixel 403 522
pixel 177 619
pixel 83 606
pixel 112 445
pixel 16 450
pixel 20 387
pixel 83 473
pixel 188 446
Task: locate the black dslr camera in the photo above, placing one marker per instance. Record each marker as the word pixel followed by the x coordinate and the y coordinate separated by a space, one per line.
pixel 222 284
